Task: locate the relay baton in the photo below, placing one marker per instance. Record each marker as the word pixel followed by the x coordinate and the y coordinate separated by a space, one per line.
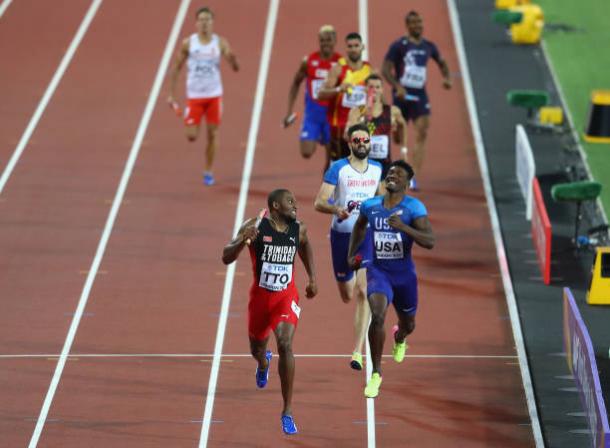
pixel 291 119
pixel 351 205
pixel 257 223
pixel 176 108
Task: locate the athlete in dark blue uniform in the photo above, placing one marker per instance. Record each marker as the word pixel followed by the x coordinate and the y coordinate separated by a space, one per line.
pixel 405 68
pixel 396 222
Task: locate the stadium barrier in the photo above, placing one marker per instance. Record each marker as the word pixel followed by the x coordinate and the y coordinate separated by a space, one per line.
pixel 525 168
pixel 581 362
pixel 541 232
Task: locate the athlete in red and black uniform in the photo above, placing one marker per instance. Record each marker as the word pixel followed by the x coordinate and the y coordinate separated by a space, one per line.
pixel 274 300
pixel 381 119
pixel 314 70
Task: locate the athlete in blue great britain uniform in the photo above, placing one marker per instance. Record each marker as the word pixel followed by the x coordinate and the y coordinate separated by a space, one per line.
pixel 396 221
pixel 314 69
pixel 404 67
pixel 350 181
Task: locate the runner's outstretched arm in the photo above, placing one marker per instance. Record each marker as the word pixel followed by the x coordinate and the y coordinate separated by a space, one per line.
pixel 299 76
pixel 306 256
pixel 322 205
pixel 387 69
pixel 181 56
pixel 247 231
pixel 225 49
pixel 401 124
pixel 445 71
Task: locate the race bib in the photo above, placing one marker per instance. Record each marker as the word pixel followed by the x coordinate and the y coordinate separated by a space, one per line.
pixel 379 147
pixel 275 277
pixel 388 245
pixel 316 85
pixel 205 69
pixel 356 98
pixel 414 76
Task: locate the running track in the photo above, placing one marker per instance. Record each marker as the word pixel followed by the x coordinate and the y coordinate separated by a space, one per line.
pixel 159 284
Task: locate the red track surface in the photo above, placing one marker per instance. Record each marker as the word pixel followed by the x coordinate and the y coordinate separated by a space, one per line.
pixel 160 284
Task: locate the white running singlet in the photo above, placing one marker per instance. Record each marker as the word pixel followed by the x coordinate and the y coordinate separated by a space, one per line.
pixel 203 77
pixel 351 189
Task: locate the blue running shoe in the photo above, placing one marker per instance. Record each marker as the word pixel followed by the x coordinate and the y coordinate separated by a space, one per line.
pixel 263 375
pixel 288 425
pixel 208 178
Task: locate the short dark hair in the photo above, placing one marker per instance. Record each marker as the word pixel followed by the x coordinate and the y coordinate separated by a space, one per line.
pixel 374 76
pixel 204 9
pixel 353 36
pixel 276 196
pixel 404 165
pixel 410 14
pixel 358 127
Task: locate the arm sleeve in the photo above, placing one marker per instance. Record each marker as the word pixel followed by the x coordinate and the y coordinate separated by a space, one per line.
pixel 332 174
pixel 380 169
pixel 434 54
pixel 418 209
pixel 393 53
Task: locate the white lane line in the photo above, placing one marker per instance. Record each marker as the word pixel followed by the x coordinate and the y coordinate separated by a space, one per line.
pixel 495 224
pixel 59 73
pixel 238 355
pixel 118 198
pixel 370 402
pixel 257 107
pixel 363 28
pixel 3 6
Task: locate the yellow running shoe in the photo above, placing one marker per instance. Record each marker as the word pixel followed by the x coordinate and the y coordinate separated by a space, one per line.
pixel 399 349
pixel 356 362
pixel 372 387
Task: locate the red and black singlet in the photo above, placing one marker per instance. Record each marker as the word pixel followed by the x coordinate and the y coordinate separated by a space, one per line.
pixel 273 254
pixel 381 131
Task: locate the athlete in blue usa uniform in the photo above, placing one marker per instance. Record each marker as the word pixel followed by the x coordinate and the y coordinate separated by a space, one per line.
pixel 396 222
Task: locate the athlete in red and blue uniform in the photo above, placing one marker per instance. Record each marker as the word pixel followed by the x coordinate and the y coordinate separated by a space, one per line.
pixel 396 222
pixel 314 69
pixel 405 68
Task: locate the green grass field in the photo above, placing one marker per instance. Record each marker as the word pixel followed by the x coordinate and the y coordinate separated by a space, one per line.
pixel 581 59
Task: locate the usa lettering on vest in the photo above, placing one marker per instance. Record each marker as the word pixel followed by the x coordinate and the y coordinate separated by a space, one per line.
pixel 388 245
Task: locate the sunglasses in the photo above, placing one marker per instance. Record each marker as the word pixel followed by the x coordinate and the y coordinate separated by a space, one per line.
pixel 358 140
